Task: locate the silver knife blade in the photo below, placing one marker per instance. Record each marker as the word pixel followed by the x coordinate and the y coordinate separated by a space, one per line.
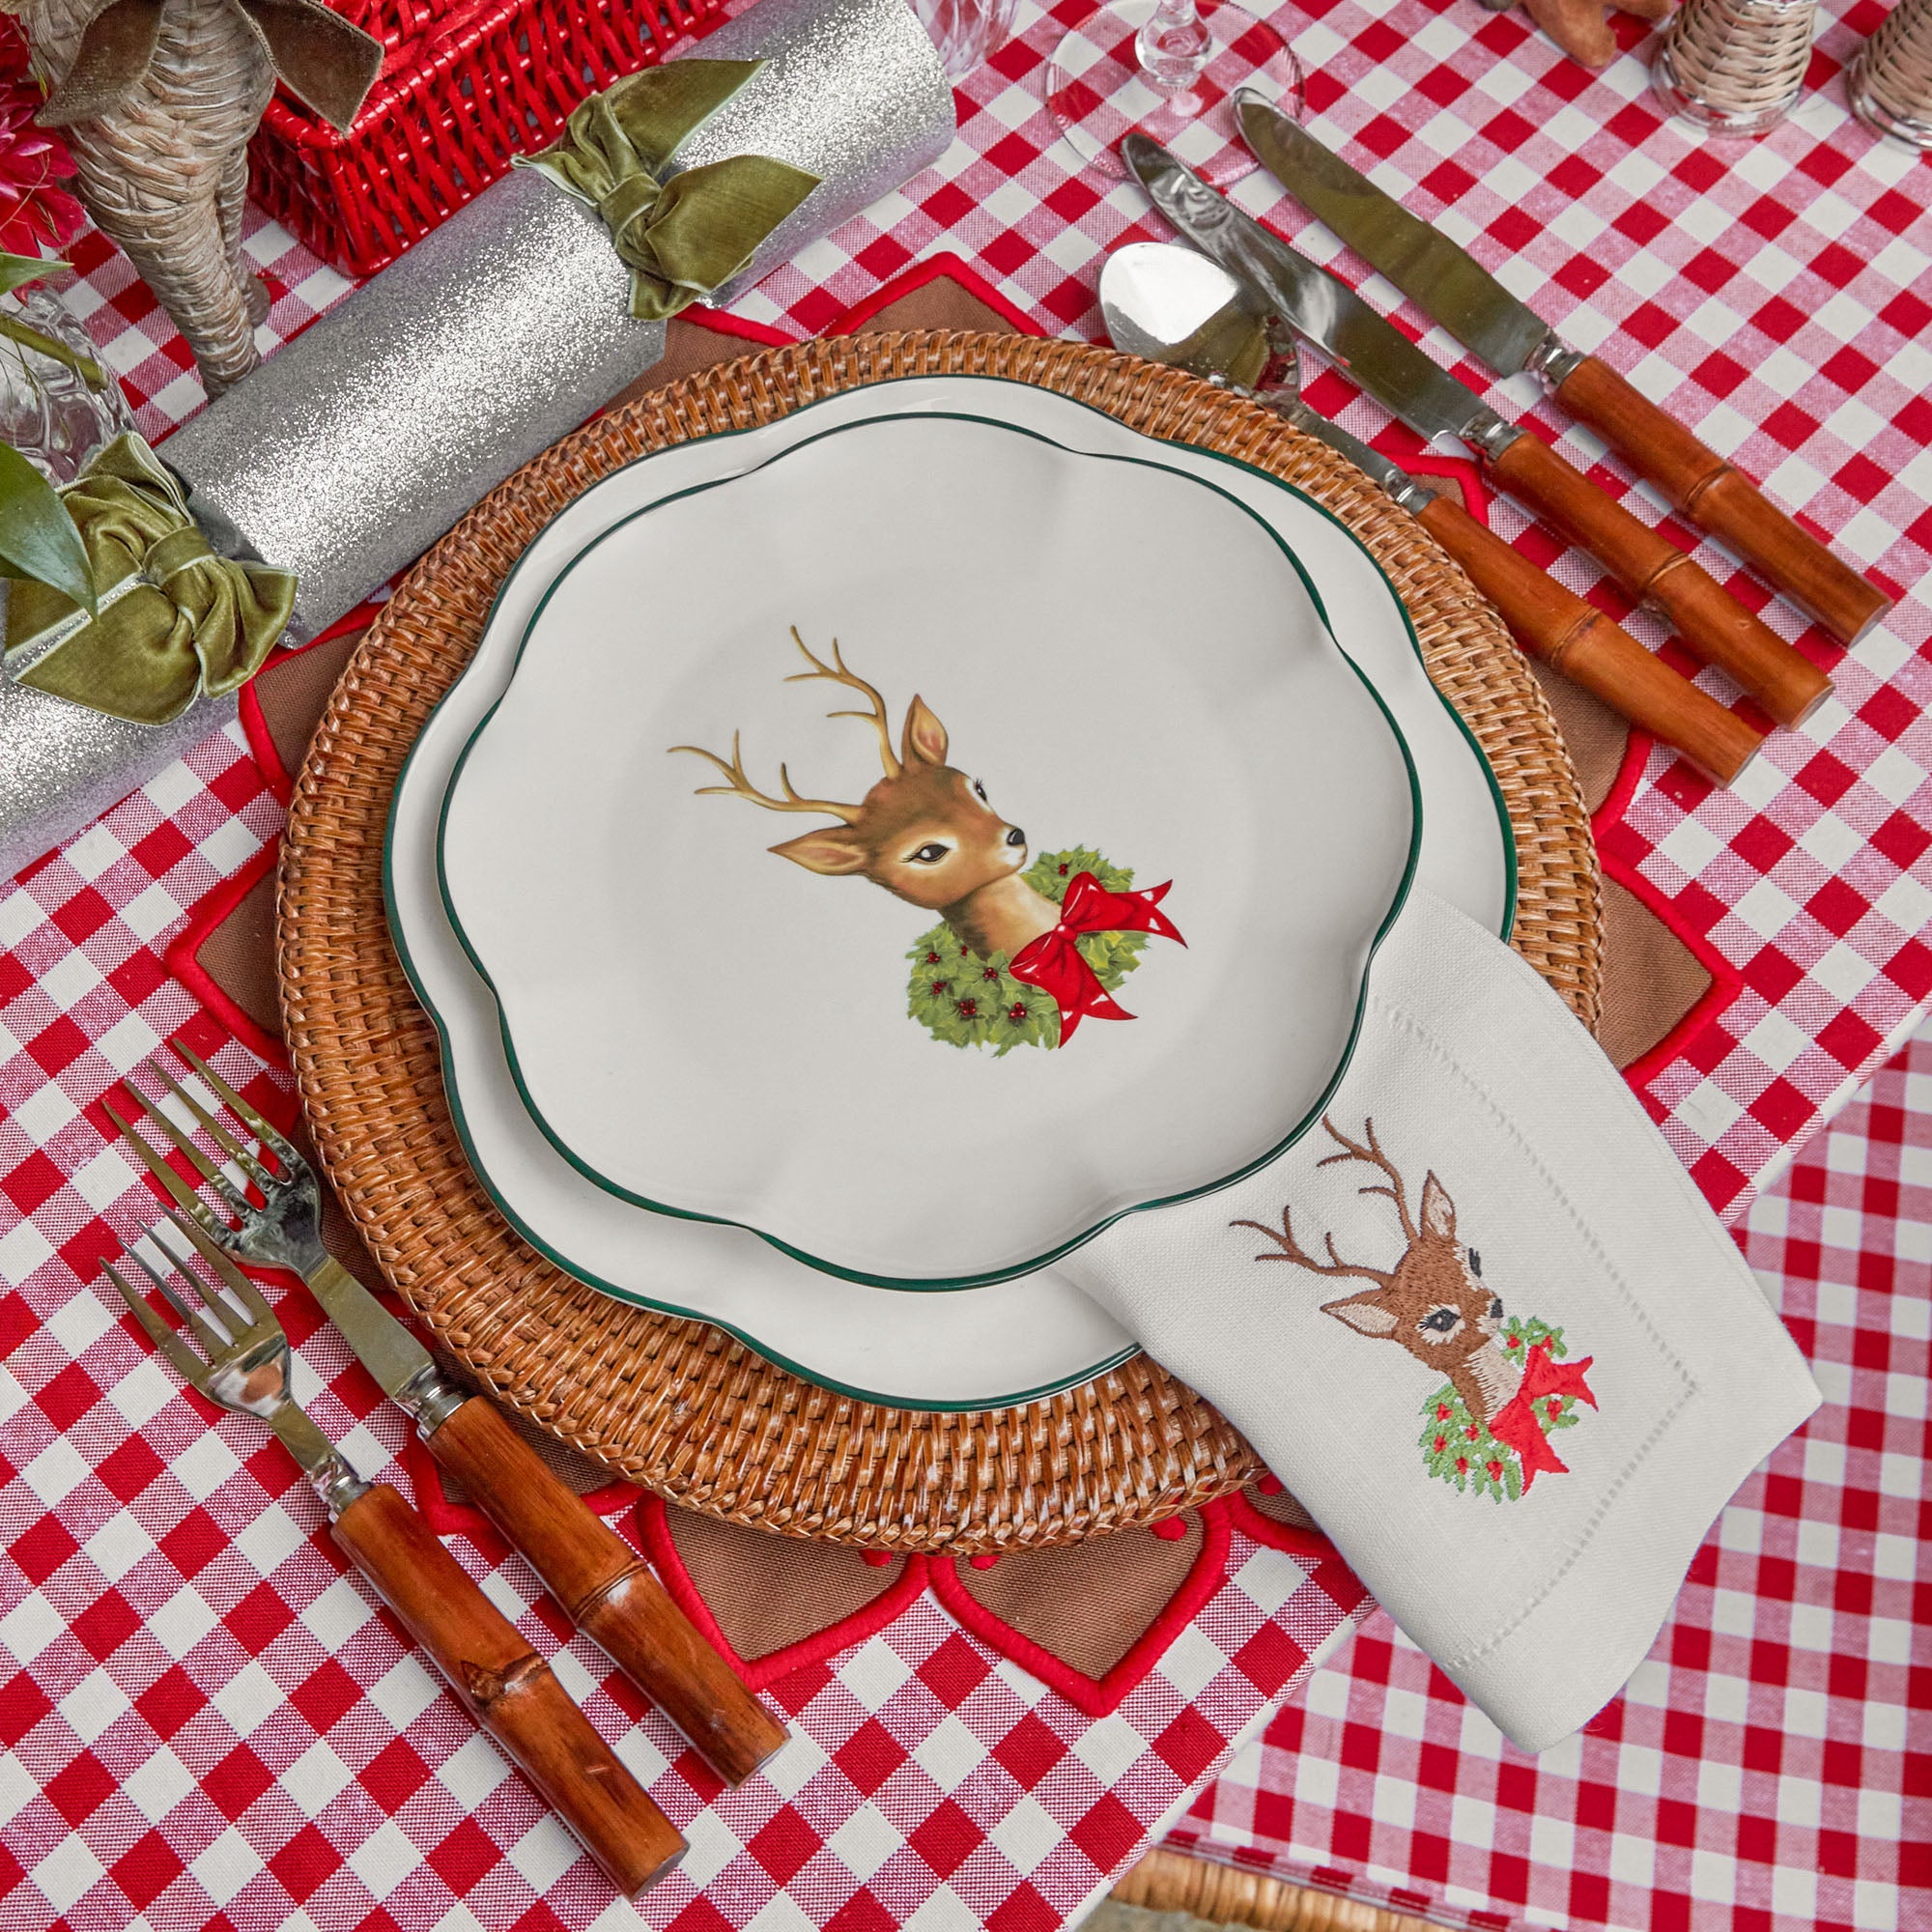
pixel 1327 311
pixel 1427 266
pixel 387 1349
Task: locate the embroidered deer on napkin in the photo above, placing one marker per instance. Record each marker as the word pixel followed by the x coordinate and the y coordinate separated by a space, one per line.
pixel 1505 1392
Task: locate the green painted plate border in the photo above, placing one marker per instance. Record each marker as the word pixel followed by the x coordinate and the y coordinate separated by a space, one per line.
pixel 989 1277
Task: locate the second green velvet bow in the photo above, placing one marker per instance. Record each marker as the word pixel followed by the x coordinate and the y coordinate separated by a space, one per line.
pixel 175 621
pixel 683 238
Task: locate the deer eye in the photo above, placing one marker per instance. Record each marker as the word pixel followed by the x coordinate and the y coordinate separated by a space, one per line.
pixel 929 854
pixel 980 789
pixel 1475 1264
pixel 1442 1321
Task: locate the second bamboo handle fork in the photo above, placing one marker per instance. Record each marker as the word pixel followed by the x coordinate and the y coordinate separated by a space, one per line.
pixel 510 1691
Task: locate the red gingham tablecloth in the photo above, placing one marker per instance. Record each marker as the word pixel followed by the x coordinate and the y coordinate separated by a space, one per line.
pixel 208 1723
pixel 1771 1764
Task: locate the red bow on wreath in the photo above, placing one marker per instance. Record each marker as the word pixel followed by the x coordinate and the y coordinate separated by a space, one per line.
pixel 1053 963
pixel 1517 1428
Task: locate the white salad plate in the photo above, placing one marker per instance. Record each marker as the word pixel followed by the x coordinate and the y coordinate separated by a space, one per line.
pixel 979 1348
pixel 996 670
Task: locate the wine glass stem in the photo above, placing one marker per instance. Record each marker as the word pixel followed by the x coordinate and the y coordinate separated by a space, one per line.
pixel 1174 46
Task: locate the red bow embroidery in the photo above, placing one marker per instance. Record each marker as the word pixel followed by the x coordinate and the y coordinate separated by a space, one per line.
pixel 1517 1428
pixel 1054 963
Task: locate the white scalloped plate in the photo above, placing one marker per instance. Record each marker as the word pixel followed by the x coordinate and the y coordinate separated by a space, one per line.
pixel 976 1348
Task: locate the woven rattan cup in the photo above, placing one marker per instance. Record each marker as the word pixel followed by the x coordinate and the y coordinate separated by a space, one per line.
pixel 674 1403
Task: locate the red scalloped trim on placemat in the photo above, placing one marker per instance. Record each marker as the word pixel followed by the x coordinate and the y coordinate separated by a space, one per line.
pixel 183 958
pixel 660 1546
pixel 1308 1544
pixel 1098 1697
pixel 943 267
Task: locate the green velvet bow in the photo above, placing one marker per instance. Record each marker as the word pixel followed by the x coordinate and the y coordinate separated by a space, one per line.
pixel 175 622
pixel 684 237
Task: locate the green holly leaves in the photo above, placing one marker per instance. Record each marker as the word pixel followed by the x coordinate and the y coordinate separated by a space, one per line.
pixel 966 1001
pixel 1460 1449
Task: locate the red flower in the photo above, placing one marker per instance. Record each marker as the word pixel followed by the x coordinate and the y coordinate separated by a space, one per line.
pixel 32 210
pixel 1461 1466
pixel 1495 1472
pixel 1472 1431
pixel 1442 1412
pixel 1442 1443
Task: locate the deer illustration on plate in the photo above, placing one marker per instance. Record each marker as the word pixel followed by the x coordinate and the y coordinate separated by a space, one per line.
pixel 1022 954
pixel 1488 1426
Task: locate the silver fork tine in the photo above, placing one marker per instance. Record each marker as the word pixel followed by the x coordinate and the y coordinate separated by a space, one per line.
pixel 167 1340
pixel 256 1125
pixel 178 1191
pixel 204 1331
pixel 245 1291
pixel 222 1138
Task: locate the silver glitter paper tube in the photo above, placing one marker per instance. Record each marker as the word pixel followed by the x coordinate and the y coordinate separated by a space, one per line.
pixel 350 451
pixel 63 765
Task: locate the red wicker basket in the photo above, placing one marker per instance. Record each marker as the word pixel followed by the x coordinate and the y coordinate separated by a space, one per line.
pixel 465 84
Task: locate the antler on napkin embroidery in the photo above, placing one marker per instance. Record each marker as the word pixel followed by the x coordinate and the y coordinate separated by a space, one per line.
pixel 1488 1428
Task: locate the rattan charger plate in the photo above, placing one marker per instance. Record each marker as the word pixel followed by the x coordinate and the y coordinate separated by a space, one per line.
pixel 672 1403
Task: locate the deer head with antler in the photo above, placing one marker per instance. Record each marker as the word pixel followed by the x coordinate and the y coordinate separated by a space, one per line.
pixel 924 832
pixel 1432 1303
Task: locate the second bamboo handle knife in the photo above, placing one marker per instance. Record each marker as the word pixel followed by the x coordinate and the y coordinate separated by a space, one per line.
pixel 1446 281
pixel 601 1583
pixel 1718 498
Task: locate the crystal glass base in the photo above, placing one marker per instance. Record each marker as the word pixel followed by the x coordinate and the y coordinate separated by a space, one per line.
pixel 1097 90
pixel 1909 130
pixel 47 412
pixel 1715 121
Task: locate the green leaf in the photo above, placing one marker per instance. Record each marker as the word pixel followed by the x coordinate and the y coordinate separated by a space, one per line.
pixel 37 539
pixel 16 270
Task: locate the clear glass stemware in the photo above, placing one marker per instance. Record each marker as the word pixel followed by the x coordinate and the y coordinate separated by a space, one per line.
pixel 1171 70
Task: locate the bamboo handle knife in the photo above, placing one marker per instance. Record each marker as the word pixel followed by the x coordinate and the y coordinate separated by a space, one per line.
pixel 1654 570
pixel 1717 497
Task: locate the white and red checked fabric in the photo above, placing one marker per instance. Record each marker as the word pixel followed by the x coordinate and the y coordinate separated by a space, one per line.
pixel 210 1727
pixel 1771 1765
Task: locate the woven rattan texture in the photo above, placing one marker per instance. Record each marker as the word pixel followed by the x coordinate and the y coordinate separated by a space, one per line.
pixel 676 1404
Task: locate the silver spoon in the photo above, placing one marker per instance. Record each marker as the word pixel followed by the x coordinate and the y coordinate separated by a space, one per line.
pixel 1171 306
pixel 1174 306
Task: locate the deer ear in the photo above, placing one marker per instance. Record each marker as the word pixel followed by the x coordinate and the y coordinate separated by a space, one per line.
pixel 924 736
pixel 1367 1314
pixel 833 851
pixel 1438 1212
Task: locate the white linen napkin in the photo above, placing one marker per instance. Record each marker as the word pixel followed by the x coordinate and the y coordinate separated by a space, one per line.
pixel 1551 1368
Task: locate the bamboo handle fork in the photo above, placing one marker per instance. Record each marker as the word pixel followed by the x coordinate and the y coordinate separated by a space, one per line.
pixel 601 1583
pixel 232 1348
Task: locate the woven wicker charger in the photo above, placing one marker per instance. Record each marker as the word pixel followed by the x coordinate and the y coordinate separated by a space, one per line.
pixel 676 1404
